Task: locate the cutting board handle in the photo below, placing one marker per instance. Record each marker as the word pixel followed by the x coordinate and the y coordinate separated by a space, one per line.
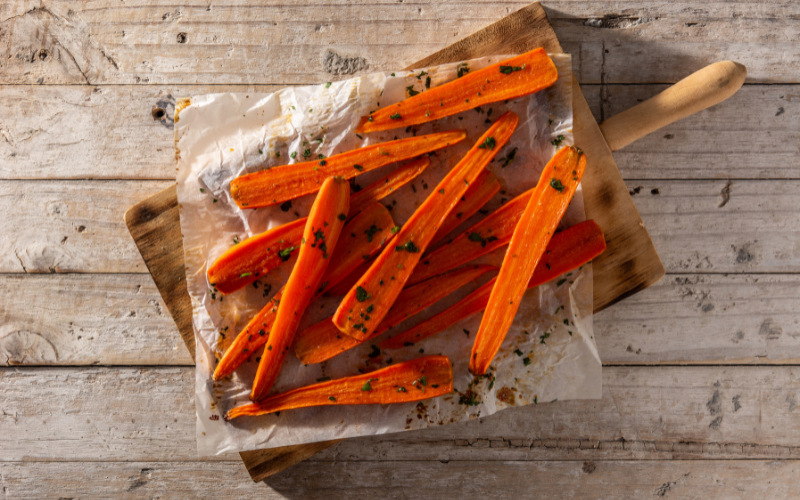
pixel 700 90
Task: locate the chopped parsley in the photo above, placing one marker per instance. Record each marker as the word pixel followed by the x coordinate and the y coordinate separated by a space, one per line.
pixel 489 143
pixel 361 294
pixel 367 386
pixel 507 70
pixel 462 70
pixel 294 154
pixel 342 217
pixel 517 352
pixel 358 167
pixel 561 282
pixel 526 361
pixel 556 184
pixel 476 237
pixel 411 91
pixel 371 232
pixel 408 247
pixel 428 83
pixel 328 85
pixel 332 398
pixel 508 158
pixel 245 275
pixel 286 253
pixel 557 141
pixel 395 116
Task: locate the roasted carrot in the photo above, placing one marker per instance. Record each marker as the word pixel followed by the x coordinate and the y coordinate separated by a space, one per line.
pixel 486 235
pixel 371 228
pixel 323 340
pixel 279 184
pixel 383 281
pixel 515 77
pixel 384 186
pixel 549 201
pixel 415 380
pixel 568 250
pixel 477 195
pixel 319 237
pixel 256 256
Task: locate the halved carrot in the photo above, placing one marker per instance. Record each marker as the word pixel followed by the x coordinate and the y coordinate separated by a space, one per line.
pixel 256 256
pixel 380 285
pixel 415 380
pixel 319 237
pixel 384 186
pixel 521 75
pixel 323 340
pixel 279 184
pixel 486 235
pixel 478 194
pixel 371 227
pixel 549 201
pixel 568 250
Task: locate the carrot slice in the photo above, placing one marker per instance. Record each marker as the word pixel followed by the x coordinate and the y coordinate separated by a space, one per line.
pixel 371 227
pixel 384 186
pixel 521 75
pixel 477 195
pixel 380 285
pixel 319 237
pixel 557 184
pixel 256 256
pixel 568 250
pixel 323 341
pixel 415 380
pixel 488 234
pixel 279 184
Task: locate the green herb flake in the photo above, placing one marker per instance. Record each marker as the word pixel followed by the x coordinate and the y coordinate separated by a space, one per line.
pixel 286 253
pixel 507 70
pixel 342 217
pixel 561 282
pixel 332 398
pixel 517 352
pixel 367 386
pixel 411 91
pixel 395 116
pixel 526 361
pixel 323 379
pixel 489 143
pixel 556 184
pixel 358 167
pixel 557 141
pixel 395 229
pixel 328 85
pixel 293 155
pixel 245 275
pixel 361 294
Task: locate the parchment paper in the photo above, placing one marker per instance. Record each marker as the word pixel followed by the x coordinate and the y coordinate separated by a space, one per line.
pixel 222 136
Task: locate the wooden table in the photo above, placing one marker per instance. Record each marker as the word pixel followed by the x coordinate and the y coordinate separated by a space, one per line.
pixel 700 385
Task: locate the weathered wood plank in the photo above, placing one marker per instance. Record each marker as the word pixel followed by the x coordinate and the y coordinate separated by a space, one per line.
pixel 108 319
pixel 70 226
pixel 646 413
pixel 713 479
pixel 117 132
pixel 74 319
pixel 722 226
pixel 107 42
pixel 697 226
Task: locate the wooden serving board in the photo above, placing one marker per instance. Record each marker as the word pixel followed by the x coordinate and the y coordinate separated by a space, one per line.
pixel 629 264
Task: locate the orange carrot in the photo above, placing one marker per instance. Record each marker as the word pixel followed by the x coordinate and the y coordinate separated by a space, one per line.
pixel 415 380
pixel 477 195
pixel 568 250
pixel 380 285
pixel 278 184
pixel 384 186
pixel 371 227
pixel 256 256
pixel 549 201
pixel 319 237
pixel 323 341
pixel 521 75
pixel 488 234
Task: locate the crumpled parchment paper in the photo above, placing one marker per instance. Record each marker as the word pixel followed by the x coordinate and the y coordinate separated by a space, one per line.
pixel 222 136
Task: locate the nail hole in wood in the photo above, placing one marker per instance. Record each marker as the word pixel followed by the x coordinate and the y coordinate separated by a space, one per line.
pixel 181 37
pixel 43 54
pixel 158 113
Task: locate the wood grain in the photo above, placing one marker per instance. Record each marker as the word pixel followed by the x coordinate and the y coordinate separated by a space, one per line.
pixel 106 42
pixel 684 318
pixel 139 413
pixel 712 480
pixel 48 137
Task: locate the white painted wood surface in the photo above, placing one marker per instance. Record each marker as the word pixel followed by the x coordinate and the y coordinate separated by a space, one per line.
pixel 82 138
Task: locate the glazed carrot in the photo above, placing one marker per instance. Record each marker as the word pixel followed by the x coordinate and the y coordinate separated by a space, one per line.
pixel 279 184
pixel 319 237
pixel 323 341
pixel 477 195
pixel 371 227
pixel 415 380
pixel 568 250
pixel 380 285
pixel 488 234
pixel 256 256
pixel 521 75
pixel 384 186
pixel 549 201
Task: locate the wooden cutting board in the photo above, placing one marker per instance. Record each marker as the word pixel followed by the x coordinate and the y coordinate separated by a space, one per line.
pixel 629 264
